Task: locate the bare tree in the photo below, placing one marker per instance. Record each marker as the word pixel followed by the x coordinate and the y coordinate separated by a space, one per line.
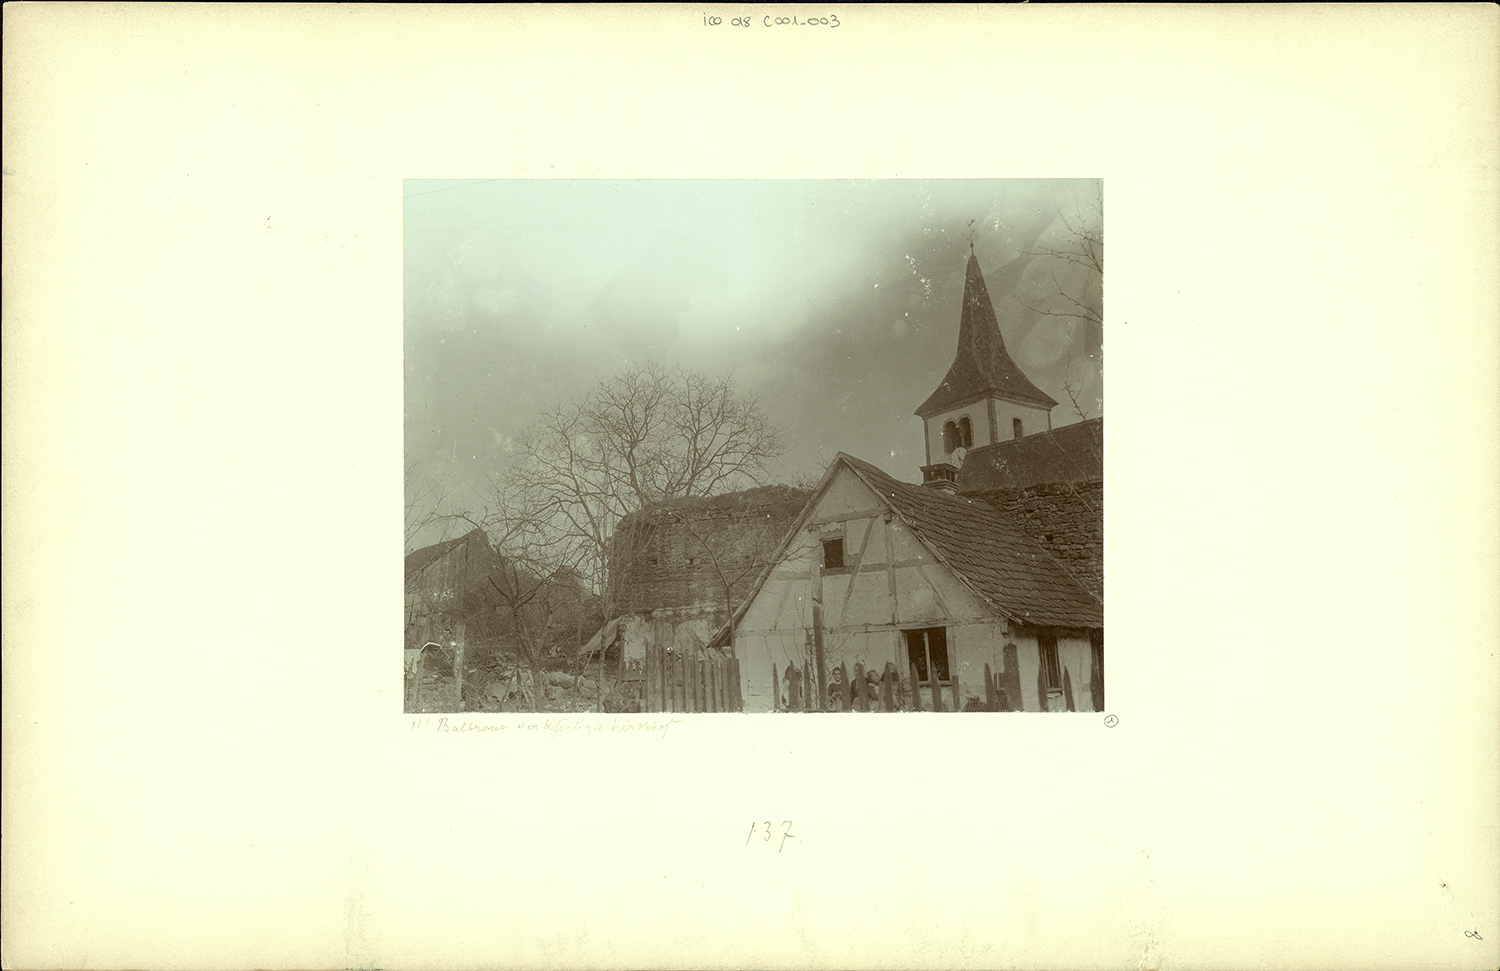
pixel 1076 268
pixel 645 436
pixel 535 583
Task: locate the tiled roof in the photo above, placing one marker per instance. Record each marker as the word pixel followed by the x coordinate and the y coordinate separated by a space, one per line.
pixel 1071 454
pixel 982 365
pixel 995 557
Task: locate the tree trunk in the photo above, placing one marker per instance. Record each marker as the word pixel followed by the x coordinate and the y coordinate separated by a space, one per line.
pixel 537 680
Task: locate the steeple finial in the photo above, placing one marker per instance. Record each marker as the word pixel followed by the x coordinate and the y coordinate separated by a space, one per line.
pixel 971 237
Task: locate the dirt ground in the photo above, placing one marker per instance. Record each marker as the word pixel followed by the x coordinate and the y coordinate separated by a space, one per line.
pixel 504 691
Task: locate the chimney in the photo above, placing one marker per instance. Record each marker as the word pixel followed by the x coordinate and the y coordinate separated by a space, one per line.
pixel 942 477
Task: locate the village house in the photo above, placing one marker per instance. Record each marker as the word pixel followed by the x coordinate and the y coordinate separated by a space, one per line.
pixel 980 589
pixel 437 577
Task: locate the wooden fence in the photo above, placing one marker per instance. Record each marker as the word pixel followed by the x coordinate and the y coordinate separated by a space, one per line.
pixel 796 689
pixel 692 679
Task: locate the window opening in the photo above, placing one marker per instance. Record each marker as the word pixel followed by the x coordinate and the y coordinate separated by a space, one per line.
pixel 965 432
pixel 1047 643
pixel 1015 427
pixel 833 553
pixel 950 436
pixel 927 651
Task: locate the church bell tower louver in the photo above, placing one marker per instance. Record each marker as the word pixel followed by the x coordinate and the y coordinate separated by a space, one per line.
pixel 984 397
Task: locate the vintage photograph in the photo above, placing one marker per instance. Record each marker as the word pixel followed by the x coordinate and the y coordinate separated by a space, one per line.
pixel 754 446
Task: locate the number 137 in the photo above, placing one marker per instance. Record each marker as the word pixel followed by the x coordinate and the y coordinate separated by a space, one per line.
pixel 768 829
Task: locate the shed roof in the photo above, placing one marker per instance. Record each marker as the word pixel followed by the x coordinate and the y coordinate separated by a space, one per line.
pixel 417 560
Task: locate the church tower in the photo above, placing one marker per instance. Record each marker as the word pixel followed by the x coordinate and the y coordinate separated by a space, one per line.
pixel 984 398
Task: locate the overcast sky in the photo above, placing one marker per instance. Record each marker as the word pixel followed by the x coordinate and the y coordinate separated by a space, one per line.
pixel 837 302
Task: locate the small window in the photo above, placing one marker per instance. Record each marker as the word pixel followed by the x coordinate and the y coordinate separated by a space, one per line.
pixel 833 553
pixel 965 432
pixel 950 436
pixel 1015 427
pixel 927 652
pixel 1051 671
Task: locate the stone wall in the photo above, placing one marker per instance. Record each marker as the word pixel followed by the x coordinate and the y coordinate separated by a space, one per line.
pixel 679 555
pixel 1067 520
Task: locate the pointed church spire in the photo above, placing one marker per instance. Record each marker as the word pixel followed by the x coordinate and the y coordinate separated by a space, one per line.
pixel 982 367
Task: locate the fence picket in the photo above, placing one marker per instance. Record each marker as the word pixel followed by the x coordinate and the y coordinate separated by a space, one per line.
pixel 695 679
pixel 649 686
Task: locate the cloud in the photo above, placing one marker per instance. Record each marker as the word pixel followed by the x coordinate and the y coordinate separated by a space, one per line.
pixel 503 302
pixel 637 309
pixel 1047 342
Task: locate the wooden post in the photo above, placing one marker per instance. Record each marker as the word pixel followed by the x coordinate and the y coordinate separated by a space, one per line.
pixel 1015 700
pixel 989 690
pixel 890 572
pixel 736 696
pixel 664 675
pixel 1096 668
pixel 888 686
pixel 652 703
pixel 665 667
pixel 700 678
pixel 648 688
pixel 654 678
pixel 691 657
pixel 817 612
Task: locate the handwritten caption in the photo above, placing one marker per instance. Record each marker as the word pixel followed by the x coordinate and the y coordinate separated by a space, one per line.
pixel 784 831
pixel 832 20
pixel 587 727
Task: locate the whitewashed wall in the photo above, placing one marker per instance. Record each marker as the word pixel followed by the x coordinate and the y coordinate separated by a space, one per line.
pixel 861 623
